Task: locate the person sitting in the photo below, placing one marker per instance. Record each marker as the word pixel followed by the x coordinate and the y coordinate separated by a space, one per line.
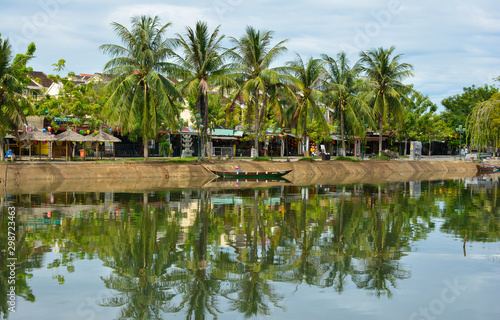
pixel 10 155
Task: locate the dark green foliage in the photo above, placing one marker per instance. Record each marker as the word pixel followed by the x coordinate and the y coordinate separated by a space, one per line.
pixel 342 158
pixel 459 107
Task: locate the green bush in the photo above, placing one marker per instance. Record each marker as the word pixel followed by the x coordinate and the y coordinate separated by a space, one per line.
pixel 261 159
pixel 381 157
pixel 342 158
pixel 187 159
pixel 307 159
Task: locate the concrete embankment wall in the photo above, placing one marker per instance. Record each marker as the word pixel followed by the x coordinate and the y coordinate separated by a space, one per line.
pixel 154 175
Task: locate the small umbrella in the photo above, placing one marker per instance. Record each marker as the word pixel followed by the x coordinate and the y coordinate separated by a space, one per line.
pixel 104 137
pixel 36 135
pixel 70 135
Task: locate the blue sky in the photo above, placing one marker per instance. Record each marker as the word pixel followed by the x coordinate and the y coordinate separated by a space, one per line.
pixel 451 44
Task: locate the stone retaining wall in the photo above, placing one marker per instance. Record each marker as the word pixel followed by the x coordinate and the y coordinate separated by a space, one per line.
pixel 153 175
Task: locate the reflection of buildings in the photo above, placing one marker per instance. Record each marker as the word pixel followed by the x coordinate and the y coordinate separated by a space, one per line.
pixel 415 189
pixel 55 209
pixel 484 181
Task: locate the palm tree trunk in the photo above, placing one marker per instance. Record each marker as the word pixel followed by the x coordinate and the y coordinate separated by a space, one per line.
pixel 145 146
pixel 144 124
pixel 202 104
pixel 305 147
pixel 263 110
pixel 406 143
pixel 256 123
pixel 249 115
pixel 2 144
pixel 381 132
pixel 206 139
pixel 342 127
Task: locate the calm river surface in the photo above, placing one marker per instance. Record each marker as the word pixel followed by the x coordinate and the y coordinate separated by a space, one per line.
pixel 394 251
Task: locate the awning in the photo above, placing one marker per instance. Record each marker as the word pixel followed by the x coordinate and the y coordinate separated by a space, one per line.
pixel 222 132
pixel 223 138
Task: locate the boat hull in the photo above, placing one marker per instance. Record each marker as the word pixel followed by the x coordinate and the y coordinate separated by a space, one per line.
pixel 486 167
pixel 251 175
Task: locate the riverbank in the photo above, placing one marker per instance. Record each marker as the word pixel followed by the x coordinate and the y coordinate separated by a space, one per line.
pixel 39 177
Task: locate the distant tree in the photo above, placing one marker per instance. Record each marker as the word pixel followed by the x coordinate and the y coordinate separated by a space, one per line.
pixel 13 78
pixel 459 106
pixel 483 124
pixel 82 103
pixel 420 114
pixel 59 65
pixel 138 91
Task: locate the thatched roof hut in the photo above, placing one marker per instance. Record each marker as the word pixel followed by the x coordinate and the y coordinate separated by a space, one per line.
pixel 35 135
pixel 70 135
pixel 104 137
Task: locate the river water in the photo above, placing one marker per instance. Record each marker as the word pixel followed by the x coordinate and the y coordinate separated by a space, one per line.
pixel 240 250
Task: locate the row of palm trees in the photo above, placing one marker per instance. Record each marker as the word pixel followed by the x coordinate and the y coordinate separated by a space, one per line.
pixel 361 95
pixel 295 95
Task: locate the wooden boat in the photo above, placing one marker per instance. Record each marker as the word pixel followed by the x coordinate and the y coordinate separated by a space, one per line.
pixel 483 167
pixel 251 174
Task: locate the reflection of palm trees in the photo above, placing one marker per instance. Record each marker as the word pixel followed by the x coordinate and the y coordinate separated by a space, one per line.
pixel 339 264
pixel 379 274
pixel 476 216
pixel 380 271
pixel 201 287
pixel 324 241
pixel 140 263
pixel 254 290
pixel 24 262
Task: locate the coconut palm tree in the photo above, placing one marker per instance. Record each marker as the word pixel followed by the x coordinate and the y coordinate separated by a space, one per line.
pixel 253 56
pixel 385 74
pixel 201 68
pixel 138 91
pixel 307 79
pixel 342 93
pixel 12 115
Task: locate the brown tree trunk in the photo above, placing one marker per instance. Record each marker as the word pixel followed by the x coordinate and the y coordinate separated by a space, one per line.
pixel 406 143
pixel 202 106
pixel 342 128
pixel 145 146
pixel 381 133
pixel 256 123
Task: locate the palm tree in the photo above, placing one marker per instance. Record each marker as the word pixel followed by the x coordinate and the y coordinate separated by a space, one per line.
pixel 306 80
pixel 342 91
pixel 201 68
pixel 385 74
pixel 138 91
pixel 253 56
pixel 12 115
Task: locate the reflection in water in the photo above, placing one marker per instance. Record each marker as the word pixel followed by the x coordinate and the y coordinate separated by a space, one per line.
pixel 205 252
